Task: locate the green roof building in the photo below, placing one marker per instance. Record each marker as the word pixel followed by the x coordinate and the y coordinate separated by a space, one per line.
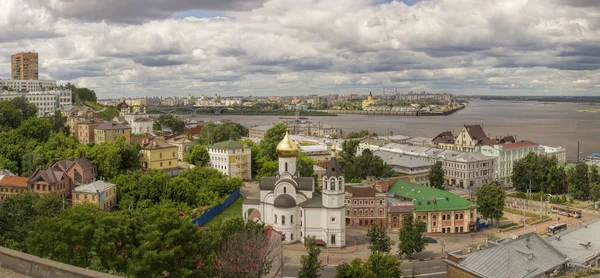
pixel 231 158
pixel 442 211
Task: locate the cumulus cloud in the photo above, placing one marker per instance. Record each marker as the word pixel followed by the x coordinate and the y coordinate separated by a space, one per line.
pixel 307 46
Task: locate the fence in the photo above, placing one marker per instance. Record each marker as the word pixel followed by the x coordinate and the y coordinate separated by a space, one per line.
pixel 217 209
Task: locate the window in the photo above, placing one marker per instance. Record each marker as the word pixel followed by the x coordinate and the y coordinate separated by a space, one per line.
pixel 300 233
pixel 354 213
pixel 433 224
pixel 355 202
pixel 286 167
pixel 275 218
pixel 380 202
pixel 169 163
pixel 360 202
pixel 300 213
pixel 161 164
pixel 160 155
pixel 372 212
pixel 173 154
pixel 332 219
pixel 461 229
pixel 77 196
pixel 461 216
pixel 332 239
pixel 93 197
pixel 283 220
pixel 380 212
pixel 291 219
pixel 291 236
pixel 284 189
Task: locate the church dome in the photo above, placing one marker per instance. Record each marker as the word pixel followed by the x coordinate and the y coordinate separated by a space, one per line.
pixel 284 201
pixel 287 147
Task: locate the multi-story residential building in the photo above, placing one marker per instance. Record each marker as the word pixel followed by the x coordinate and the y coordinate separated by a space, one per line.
pixel 11 185
pixel 231 158
pixel 182 142
pixel 142 126
pixel 469 138
pixel 319 153
pixel 44 181
pixel 365 206
pixel 414 169
pixel 440 210
pixel 79 170
pixel 506 155
pixel 109 132
pixel 463 169
pixel 24 66
pixel 85 131
pixel 27 85
pixel 101 193
pixel 258 131
pixel 559 152
pixel 46 101
pixel 136 117
pixel 159 156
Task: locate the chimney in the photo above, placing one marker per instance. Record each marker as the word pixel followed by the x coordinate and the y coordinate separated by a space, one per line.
pixel 391 133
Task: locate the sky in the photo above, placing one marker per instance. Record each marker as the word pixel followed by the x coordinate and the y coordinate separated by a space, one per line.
pixel 297 47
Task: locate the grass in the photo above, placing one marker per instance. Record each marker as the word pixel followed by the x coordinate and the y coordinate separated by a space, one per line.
pixel 233 211
pixel 507 225
pixel 531 217
pixel 107 114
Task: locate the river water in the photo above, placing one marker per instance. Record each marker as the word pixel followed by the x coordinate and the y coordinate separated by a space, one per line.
pixel 553 124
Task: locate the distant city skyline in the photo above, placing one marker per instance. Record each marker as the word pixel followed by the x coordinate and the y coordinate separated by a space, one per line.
pixel 291 47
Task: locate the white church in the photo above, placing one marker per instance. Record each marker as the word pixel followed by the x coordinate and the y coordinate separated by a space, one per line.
pixel 290 204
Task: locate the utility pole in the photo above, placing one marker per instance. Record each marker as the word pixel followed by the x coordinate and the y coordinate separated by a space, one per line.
pixel 327 235
pixel 577 152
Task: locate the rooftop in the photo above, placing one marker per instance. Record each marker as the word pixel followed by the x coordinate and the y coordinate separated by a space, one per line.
pixel 528 256
pixel 112 126
pixel 14 181
pixel 518 145
pixel 155 145
pixel 427 198
pixel 361 191
pixel 227 145
pixel 396 159
pixel 94 187
pixel 579 244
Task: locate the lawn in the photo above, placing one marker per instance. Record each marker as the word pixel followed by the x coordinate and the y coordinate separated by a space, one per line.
pixel 107 114
pixel 233 211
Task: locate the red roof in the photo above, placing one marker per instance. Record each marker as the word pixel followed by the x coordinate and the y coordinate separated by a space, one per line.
pixel 14 181
pixel 518 145
pixel 361 191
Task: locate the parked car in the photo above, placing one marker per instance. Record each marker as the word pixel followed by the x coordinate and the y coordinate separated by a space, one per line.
pixel 429 240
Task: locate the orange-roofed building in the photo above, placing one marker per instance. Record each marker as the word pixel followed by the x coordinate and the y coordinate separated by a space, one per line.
pixel 11 186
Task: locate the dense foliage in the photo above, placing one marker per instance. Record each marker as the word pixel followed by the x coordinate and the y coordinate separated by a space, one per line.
pixel 311 264
pixel 359 134
pixel 544 173
pixel 169 121
pixel 490 199
pixel 194 188
pixel 358 168
pixel 378 265
pixel 213 133
pixel 198 155
pixel 436 175
pixel 579 181
pixel 411 240
pixel 379 241
pixel 82 94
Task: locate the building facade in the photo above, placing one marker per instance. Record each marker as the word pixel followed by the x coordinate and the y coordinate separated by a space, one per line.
pixel 27 85
pixel 158 156
pixel 46 101
pixel 559 152
pixel 291 205
pixel 12 185
pixel 258 131
pixel 440 210
pixel 24 66
pixel 109 132
pixel 182 142
pixel 365 206
pixel 44 181
pixel 85 131
pixel 101 193
pixel 506 156
pixel 231 158
pixel 414 169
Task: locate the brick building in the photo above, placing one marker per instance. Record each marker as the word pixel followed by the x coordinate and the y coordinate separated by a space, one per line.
pixel 365 206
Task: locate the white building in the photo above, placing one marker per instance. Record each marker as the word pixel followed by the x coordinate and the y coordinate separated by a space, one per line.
pixel 506 156
pixel 291 205
pixel 231 158
pixel 136 117
pixel 27 85
pixel 46 101
pixel 559 152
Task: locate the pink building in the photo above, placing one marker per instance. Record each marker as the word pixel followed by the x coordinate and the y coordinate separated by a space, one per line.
pixel 63 176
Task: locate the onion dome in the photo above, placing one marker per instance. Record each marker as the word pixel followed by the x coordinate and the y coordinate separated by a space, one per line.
pixel 287 147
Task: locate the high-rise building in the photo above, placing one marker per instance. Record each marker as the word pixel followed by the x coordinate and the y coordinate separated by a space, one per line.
pixel 24 66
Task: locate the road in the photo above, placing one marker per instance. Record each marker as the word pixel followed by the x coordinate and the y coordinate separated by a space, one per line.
pixel 545 207
pixel 433 269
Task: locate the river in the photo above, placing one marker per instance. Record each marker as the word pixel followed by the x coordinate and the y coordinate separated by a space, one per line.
pixel 553 124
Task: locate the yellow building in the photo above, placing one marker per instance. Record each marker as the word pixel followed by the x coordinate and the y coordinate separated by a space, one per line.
pixel 110 131
pixel 24 66
pixel 100 193
pixel 159 156
pixel 369 101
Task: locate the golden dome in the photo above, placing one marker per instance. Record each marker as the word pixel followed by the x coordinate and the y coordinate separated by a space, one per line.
pixel 287 147
pixel 333 148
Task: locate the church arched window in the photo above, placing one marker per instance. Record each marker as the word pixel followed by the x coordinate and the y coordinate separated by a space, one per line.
pixel 275 218
pixel 284 189
pixel 286 167
pixel 291 219
pixel 283 220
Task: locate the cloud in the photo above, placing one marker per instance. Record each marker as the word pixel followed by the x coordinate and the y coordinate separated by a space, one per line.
pixel 307 46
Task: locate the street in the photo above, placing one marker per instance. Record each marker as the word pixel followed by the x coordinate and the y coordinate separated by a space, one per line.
pixel 433 268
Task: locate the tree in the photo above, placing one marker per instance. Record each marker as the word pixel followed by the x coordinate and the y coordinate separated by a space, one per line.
pixel 268 169
pixel 594 192
pixel 255 148
pixel 197 155
pixel 594 176
pixel 384 265
pixel 544 173
pixel 579 182
pixel 410 238
pixel 357 135
pixel 305 165
pixel 378 265
pixel 58 123
pixel 365 165
pixel 269 142
pixel 311 264
pixel 28 109
pixel 355 269
pixel 436 175
pixel 490 199
pixel 349 148
pixel 214 133
pixel 169 121
pixel 114 158
pixel 379 240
